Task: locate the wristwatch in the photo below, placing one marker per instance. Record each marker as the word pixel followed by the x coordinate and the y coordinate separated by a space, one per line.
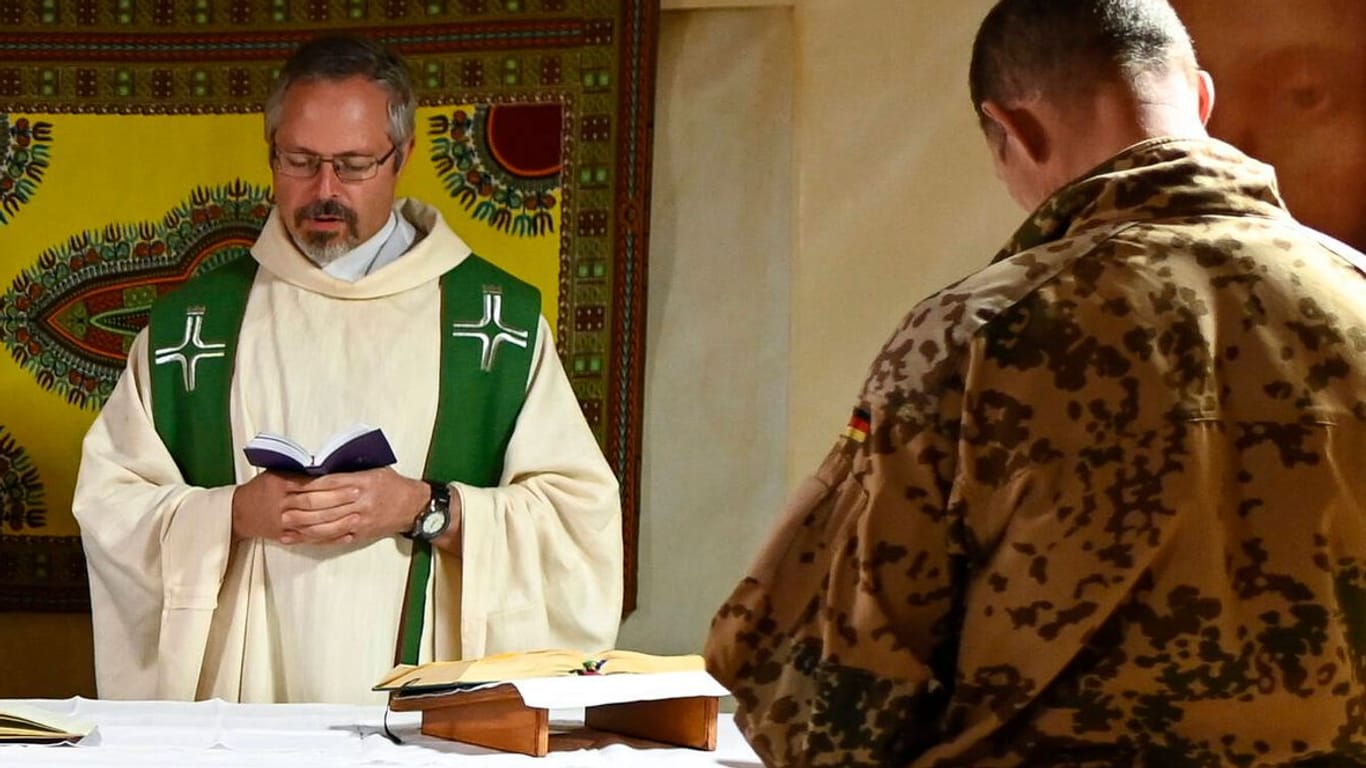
pixel 434 518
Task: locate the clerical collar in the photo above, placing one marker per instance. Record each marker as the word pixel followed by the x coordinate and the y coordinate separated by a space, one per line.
pixel 385 246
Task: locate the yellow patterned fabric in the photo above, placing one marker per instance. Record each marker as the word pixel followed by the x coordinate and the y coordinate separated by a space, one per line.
pixel 132 156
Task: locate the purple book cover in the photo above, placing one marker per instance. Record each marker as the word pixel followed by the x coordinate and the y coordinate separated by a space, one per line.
pixel 350 451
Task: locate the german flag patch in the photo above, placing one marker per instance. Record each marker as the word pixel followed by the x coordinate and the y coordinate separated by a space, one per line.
pixel 858 426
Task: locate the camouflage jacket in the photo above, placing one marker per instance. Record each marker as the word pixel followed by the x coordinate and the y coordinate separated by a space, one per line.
pixel 1102 503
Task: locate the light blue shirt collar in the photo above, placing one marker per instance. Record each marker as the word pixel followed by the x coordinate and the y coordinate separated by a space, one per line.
pixel 384 247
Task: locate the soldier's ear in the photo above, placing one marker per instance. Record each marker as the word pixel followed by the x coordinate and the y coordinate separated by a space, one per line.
pixel 1022 128
pixel 1205 86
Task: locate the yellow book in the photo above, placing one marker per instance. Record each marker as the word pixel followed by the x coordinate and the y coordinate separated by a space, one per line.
pixel 21 722
pixel 524 665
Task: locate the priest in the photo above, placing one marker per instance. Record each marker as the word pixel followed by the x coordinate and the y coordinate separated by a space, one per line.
pixel 498 528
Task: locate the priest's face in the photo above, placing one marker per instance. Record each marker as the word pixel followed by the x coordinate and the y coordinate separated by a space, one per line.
pixel 330 207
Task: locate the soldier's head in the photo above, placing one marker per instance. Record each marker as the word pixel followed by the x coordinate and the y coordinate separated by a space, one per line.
pixel 339 122
pixel 1061 85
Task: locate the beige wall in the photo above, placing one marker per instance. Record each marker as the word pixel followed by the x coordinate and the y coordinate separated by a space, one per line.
pixel 818 171
pixel 719 307
pixel 895 189
pixel 892 197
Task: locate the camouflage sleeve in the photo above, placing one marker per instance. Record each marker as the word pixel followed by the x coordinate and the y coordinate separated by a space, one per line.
pixel 838 645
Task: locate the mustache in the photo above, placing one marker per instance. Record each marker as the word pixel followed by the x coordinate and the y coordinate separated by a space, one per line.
pixel 333 208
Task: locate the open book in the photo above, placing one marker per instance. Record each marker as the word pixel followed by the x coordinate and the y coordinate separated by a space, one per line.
pixel 504 701
pixel 21 722
pixel 468 674
pixel 355 448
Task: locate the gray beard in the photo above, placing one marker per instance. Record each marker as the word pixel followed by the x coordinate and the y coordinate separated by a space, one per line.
pixel 323 248
pixel 323 253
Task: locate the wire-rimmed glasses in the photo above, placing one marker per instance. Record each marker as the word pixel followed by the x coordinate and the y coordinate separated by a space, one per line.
pixel 348 167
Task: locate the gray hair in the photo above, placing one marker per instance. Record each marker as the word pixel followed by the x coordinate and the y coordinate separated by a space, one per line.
pixel 337 57
pixel 1061 49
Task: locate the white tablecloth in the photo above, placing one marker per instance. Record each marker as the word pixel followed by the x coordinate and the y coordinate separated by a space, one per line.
pixel 152 734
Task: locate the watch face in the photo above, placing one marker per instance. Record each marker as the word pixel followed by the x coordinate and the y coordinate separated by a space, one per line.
pixel 433 523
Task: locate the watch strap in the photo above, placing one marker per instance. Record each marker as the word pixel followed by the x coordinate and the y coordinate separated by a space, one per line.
pixel 438 503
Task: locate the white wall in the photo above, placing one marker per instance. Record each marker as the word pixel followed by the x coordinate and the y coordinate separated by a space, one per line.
pixel 787 241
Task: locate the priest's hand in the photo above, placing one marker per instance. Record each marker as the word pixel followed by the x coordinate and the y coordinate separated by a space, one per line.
pixel 348 507
pixel 259 505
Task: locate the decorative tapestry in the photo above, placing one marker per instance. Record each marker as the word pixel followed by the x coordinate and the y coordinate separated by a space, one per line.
pixel 132 157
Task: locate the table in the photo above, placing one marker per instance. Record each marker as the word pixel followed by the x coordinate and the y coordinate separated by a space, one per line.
pixel 157 734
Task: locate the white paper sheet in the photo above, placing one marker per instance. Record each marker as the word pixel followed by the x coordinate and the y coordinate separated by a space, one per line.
pixel 592 690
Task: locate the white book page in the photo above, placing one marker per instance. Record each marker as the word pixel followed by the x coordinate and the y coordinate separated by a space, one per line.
pixel 341 438
pixel 591 690
pixel 280 444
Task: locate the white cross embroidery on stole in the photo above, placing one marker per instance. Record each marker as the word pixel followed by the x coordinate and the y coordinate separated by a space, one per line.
pixel 194 325
pixel 484 329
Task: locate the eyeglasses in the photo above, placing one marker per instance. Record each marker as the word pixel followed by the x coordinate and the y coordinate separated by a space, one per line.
pixel 305 165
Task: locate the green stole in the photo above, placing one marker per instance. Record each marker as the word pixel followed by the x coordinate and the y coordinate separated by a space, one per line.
pixel 490 321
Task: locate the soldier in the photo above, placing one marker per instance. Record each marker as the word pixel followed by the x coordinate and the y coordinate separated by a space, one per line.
pixel 1099 503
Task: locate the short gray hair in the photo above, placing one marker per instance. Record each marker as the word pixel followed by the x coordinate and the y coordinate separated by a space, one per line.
pixel 337 57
